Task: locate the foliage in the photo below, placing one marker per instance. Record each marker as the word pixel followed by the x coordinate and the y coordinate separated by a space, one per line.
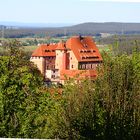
pixel 19 85
pixel 107 108
pixel 122 43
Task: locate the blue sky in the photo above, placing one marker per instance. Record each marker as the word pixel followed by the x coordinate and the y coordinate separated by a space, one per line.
pixel 69 11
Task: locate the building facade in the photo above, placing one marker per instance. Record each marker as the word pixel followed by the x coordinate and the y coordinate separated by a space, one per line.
pixel 77 57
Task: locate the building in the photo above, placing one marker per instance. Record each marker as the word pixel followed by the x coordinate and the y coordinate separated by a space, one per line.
pixel 77 57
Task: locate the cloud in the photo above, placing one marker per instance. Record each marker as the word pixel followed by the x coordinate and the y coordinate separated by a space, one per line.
pixel 113 0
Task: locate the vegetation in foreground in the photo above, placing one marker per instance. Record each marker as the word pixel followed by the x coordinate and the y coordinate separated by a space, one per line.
pixel 107 108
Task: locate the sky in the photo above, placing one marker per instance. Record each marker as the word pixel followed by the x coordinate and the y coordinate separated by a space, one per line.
pixel 69 11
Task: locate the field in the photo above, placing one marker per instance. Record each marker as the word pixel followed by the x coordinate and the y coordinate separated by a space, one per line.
pixel 29 48
pixel 106 48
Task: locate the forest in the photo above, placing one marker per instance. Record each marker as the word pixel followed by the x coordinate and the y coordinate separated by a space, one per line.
pixel 103 109
pixel 87 28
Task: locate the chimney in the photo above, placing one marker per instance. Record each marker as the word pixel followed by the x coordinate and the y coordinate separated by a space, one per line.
pixel 81 38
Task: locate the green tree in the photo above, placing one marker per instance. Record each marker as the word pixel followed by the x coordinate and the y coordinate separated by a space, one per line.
pixel 19 94
pixel 107 108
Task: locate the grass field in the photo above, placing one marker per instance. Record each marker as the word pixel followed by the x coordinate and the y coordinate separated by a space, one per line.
pixel 29 48
pixel 106 48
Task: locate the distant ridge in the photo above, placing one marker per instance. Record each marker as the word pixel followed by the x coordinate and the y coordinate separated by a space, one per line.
pixel 89 28
pixel 107 27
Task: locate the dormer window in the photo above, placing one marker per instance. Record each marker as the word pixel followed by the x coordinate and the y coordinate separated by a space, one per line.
pixel 47 50
pixel 88 51
pixel 85 45
pixel 83 57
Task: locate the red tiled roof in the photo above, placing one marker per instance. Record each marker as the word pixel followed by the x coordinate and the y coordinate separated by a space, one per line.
pixel 45 50
pixel 84 49
pixel 78 74
pixel 61 46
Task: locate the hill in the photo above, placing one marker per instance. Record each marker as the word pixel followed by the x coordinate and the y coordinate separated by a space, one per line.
pixel 90 28
pixel 107 27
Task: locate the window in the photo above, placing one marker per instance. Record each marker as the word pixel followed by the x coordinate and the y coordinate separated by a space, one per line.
pixel 88 66
pixel 83 57
pixel 93 66
pixel 88 51
pixel 47 50
pixel 80 66
pixel 53 76
pixel 71 66
pixel 85 45
pixel 83 66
